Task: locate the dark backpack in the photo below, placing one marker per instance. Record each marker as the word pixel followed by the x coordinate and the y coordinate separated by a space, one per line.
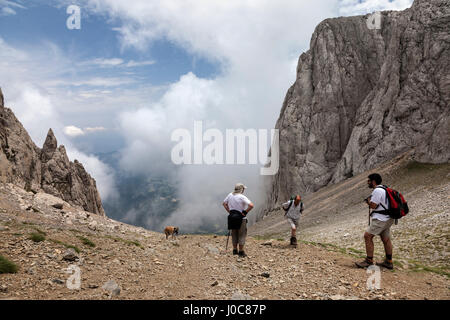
pixel 398 207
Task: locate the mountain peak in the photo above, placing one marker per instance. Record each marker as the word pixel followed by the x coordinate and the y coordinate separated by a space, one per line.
pixel 50 145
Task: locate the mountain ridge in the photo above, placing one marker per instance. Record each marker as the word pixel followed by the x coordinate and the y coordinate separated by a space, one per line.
pixel 47 170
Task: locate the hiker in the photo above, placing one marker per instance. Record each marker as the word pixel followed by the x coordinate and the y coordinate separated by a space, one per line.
pixel 294 209
pixel 238 206
pixel 379 223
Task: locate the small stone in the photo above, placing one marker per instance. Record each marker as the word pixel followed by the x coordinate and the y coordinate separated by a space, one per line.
pixel 70 255
pixel 265 274
pixel 112 287
pixel 58 281
pixel 93 225
pixel 240 296
pixel 215 283
pixel 50 256
pixel 212 250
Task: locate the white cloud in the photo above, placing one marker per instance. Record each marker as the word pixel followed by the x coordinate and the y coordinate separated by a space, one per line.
pixel 103 62
pixel 7 11
pixel 73 131
pixel 6 7
pixel 101 82
pixel 22 76
pixel 256 44
pixel 94 129
pixel 102 173
pixel 356 7
pixel 115 62
pixel 132 63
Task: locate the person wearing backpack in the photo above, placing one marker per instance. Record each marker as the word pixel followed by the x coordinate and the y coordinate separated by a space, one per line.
pixel 293 208
pixel 238 206
pixel 380 223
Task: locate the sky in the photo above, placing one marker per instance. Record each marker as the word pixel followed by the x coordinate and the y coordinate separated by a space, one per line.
pixel 137 70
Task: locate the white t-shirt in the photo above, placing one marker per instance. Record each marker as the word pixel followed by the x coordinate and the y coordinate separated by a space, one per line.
pixel 294 211
pixel 379 196
pixel 237 202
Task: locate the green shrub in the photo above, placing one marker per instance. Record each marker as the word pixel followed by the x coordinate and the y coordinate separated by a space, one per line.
pixel 37 237
pixel 40 231
pixel 77 250
pixel 7 266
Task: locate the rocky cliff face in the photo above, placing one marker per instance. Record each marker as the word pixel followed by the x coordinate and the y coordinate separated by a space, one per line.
pixel 48 169
pixel 365 93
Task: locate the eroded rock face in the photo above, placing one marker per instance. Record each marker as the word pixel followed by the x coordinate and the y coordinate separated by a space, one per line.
pixel 364 95
pixel 48 169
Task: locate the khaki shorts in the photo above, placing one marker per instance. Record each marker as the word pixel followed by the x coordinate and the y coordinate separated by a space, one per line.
pixel 293 223
pixel 381 228
pixel 238 236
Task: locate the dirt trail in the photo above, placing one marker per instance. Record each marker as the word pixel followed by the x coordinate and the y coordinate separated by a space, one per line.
pixel 147 266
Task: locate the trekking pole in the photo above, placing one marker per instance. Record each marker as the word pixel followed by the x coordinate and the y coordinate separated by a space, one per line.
pixel 228 237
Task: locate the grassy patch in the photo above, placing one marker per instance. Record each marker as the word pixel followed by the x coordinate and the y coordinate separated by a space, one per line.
pixel 77 250
pixel 438 270
pixel 355 251
pixel 39 231
pixel 36 237
pixel 266 237
pixel 133 242
pixel 86 241
pixel 7 266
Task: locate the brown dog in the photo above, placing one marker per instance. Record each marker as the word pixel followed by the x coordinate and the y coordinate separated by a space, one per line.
pixel 169 230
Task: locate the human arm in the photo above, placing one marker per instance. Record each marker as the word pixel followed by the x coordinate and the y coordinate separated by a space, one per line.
pixel 285 205
pixel 249 207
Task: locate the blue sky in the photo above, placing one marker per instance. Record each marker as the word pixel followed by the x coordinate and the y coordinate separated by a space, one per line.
pixel 41 22
pixel 137 70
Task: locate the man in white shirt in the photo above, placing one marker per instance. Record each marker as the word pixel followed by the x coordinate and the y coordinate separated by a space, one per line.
pixel 238 205
pixel 294 209
pixel 380 223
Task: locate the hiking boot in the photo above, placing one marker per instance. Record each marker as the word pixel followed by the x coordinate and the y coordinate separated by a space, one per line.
pixel 235 251
pixel 242 254
pixel 364 264
pixel 387 264
pixel 294 241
